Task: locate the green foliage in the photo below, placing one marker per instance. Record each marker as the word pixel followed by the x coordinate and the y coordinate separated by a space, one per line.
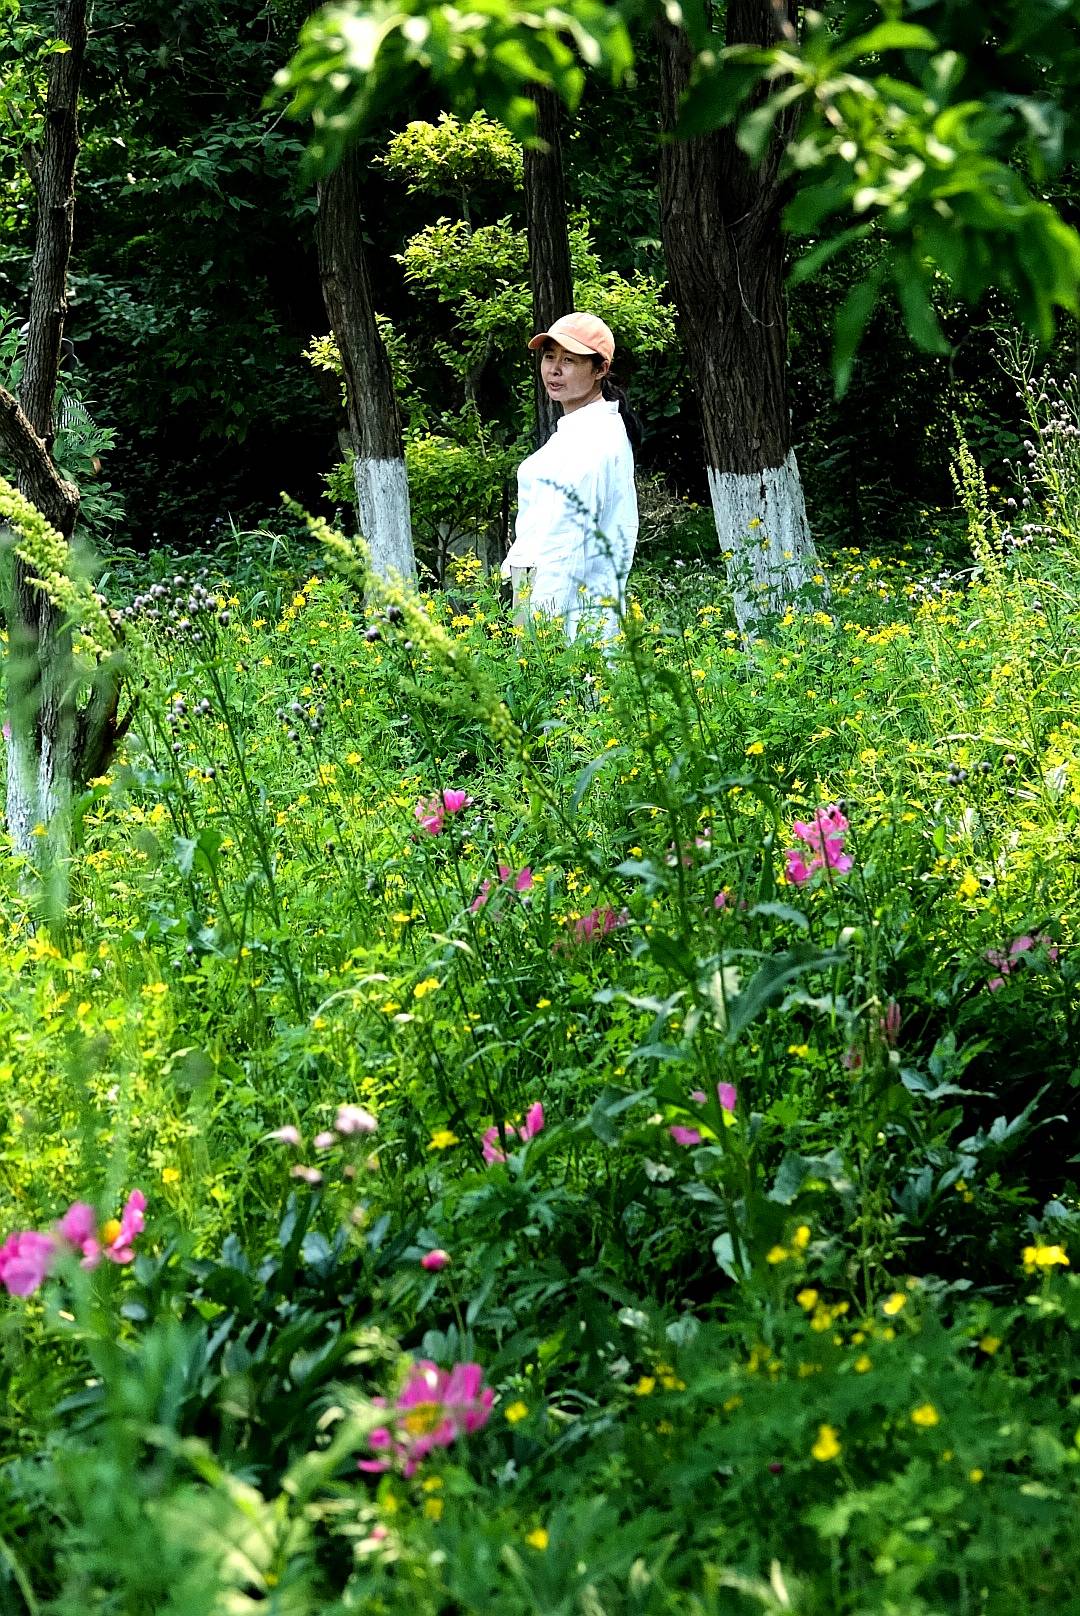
pixel 349 64
pixel 810 1339
pixel 895 130
pixel 449 158
pixel 47 556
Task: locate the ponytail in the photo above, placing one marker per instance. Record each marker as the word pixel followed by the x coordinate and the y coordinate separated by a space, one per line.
pixel 615 395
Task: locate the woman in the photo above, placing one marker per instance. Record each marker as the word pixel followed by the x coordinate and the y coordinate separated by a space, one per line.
pixel 577 518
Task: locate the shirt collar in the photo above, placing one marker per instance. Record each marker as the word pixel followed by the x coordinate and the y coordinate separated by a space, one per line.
pixel 588 412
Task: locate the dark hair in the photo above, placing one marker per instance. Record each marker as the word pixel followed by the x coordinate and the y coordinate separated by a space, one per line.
pixel 615 395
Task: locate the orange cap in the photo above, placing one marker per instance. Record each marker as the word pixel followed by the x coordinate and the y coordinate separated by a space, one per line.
pixel 580 333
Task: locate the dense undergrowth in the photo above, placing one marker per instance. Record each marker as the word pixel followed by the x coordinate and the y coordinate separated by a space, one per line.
pixel 688 1041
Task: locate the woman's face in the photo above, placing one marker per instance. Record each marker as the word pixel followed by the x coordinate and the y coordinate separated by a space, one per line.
pixel 571 379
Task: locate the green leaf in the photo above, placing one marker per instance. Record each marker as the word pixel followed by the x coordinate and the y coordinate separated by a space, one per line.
pixel 771 978
pixel 851 321
pixel 887 36
pixel 588 774
pixel 920 316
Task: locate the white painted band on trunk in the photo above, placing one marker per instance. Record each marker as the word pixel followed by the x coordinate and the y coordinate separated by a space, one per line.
pixel 764 535
pixel 382 498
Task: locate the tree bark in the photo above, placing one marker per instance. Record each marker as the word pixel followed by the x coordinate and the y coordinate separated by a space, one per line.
pixel 720 220
pixel 551 278
pixel 48 739
pixel 382 489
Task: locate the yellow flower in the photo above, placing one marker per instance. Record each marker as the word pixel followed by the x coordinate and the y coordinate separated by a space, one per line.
pixel 827 1445
pixel 442 1139
pixel 975 1475
pixel 989 1344
pixel 807 1298
pixel 863 1363
pixel 1043 1257
pixel 428 985
pixel 353 759
pixel 543 1004
pixel 517 1411
pixel 777 1254
pixel 755 749
pixel 433 1508
pixel 925 1415
pixel 645 1386
pixel 895 1304
pixel 801 1238
pixel 170 1175
pixel 537 1538
pixel 969 887
pixel 801 1050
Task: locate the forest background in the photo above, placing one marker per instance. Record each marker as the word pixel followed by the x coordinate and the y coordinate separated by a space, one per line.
pixel 206 405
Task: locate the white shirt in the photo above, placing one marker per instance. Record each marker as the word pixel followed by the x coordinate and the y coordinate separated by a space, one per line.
pixel 577 518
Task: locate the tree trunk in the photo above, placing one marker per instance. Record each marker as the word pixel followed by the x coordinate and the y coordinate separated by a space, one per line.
pixel 382 488
pixel 720 218
pixel 550 275
pixel 43 727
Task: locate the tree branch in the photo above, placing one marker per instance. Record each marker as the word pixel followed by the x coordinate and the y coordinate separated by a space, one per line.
pixel 54 496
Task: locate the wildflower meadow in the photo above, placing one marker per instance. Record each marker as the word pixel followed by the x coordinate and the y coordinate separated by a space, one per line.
pixel 498 1126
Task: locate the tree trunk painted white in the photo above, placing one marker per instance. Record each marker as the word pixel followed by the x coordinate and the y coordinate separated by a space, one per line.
pixel 38 798
pixel 764 536
pixel 382 490
pixel 720 216
pixel 382 498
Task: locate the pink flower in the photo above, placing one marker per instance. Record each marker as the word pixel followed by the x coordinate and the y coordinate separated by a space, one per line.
pixel 78 1229
pixel 598 923
pixel 726 1093
pixel 824 837
pixel 118 1237
pixel 722 899
pixel 435 1260
pixel 310 1175
pixel 519 880
pixel 354 1119
pixel 796 868
pixel 684 1136
pixel 1006 962
pixel 433 1409
pixel 288 1135
pixel 491 1145
pixel 534 1122
pixel 25 1260
pixel 323 1141
pixel 890 1024
pixel 430 813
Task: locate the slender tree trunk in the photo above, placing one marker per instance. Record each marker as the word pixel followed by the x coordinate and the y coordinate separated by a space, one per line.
pixel 42 718
pixel 382 488
pixel 720 219
pixel 550 275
